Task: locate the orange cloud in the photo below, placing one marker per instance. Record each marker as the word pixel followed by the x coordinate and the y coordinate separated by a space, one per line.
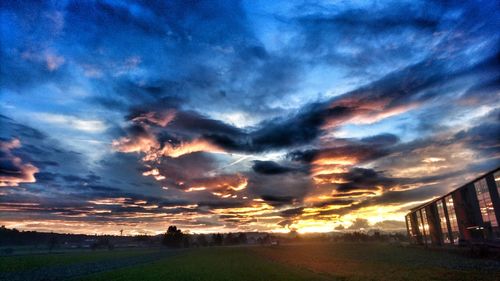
pixel 14 171
pixel 188 147
pixel 155 173
pixel 326 159
pixel 222 185
pixel 328 169
pixel 145 143
pixel 328 179
pixel 110 201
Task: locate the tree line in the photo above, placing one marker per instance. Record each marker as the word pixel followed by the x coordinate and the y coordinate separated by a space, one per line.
pixel 175 238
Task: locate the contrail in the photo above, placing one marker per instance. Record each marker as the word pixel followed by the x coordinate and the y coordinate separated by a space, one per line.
pixel 92 141
pixel 232 163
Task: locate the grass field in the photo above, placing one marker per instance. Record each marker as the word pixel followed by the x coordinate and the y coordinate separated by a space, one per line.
pixel 373 261
pixel 341 261
pixel 30 262
pixel 213 264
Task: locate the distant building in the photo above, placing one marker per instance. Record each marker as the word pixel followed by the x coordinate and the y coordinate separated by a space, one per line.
pixel 469 214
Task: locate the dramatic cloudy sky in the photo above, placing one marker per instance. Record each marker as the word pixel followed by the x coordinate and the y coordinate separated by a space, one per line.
pixel 242 116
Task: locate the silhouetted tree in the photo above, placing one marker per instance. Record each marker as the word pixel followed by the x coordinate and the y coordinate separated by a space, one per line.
pixel 242 238
pixel 229 239
pixel 202 240
pixel 217 239
pixel 266 239
pixel 173 238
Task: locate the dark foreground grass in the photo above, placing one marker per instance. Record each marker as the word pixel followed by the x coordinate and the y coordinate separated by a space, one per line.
pixel 30 262
pixel 340 261
pixel 373 261
pixel 212 264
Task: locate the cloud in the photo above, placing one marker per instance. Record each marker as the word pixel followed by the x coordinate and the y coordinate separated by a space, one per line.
pixel 292 118
pixel 395 93
pixel 339 227
pixel 13 170
pixel 72 122
pixel 279 189
pixel 365 179
pixel 484 137
pixel 155 118
pixel 278 200
pixel 358 224
pixel 390 225
pixel 270 168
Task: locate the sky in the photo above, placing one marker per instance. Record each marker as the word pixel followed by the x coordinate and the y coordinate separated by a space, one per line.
pixel 219 116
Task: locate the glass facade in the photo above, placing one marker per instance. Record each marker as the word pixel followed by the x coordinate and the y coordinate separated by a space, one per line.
pixel 443 222
pixel 485 203
pixel 420 225
pixel 497 181
pixel 410 228
pixel 453 218
pixel 459 209
pixel 426 227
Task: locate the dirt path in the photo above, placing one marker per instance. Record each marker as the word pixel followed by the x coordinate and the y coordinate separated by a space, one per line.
pixel 71 271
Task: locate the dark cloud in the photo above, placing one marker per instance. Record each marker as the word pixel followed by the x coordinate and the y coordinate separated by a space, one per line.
pixel 365 179
pixel 484 137
pixel 336 202
pixel 365 31
pixel 278 200
pixel 270 168
pixel 385 140
pixel 46 177
pixel 279 189
pixel 292 212
pixel 353 194
pixel 487 89
pixel 193 122
pixel 280 133
pixel 365 149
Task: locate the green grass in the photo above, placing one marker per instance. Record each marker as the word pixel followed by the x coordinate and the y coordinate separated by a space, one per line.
pixel 217 264
pixel 373 261
pixel 28 262
pixel 326 261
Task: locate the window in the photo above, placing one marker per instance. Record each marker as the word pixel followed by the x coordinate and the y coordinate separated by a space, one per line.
pixel 408 223
pixel 426 226
pixel 497 181
pixel 485 204
pixel 453 218
pixel 442 221
pixel 420 225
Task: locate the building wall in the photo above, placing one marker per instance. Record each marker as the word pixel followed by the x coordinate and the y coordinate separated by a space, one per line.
pixel 471 213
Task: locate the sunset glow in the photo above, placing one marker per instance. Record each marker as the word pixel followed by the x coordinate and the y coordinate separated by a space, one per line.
pixel 225 116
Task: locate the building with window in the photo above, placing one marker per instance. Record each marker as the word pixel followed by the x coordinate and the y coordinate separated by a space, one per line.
pixel 469 213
